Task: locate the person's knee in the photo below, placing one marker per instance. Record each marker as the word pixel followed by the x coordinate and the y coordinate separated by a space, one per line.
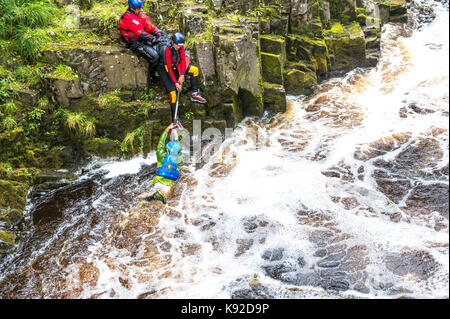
pixel 153 56
pixel 173 96
pixel 193 71
pixel 147 52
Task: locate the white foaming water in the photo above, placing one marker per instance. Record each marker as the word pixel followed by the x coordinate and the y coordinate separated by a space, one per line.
pixel 271 183
pixel 297 207
pixel 132 166
pixel 249 200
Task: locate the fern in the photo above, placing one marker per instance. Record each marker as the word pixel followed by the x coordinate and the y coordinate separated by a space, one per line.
pixel 80 123
pixel 9 108
pixel 128 142
pixel 9 122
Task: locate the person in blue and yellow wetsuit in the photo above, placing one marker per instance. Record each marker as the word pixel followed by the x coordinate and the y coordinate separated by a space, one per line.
pixel 170 160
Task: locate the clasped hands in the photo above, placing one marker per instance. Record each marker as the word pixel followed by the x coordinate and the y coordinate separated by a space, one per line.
pixel 179 84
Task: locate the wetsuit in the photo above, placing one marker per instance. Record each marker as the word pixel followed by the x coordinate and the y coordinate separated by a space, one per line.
pixel 172 65
pixel 161 154
pixel 161 185
pixel 140 33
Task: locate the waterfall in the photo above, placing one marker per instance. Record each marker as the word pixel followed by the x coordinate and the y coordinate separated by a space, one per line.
pixel 344 195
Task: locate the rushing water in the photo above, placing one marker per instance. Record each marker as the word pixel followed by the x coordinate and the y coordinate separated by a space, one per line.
pixel 345 195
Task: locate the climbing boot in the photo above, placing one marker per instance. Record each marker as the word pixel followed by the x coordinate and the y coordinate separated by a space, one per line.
pixel 158 196
pixel 196 98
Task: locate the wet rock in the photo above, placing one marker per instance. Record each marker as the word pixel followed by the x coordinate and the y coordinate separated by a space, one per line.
pixel 331 261
pixel 347 45
pixel 243 246
pixel 381 146
pixel 300 82
pixel 434 197
pixel 89 274
pixel 253 223
pixel 350 203
pixel 8 240
pixel 280 271
pixel 274 98
pixel 420 264
pixel 301 261
pixel 190 249
pixel 393 186
pixel 343 172
pixel 148 295
pixel 10 217
pixel 48 209
pixel 400 178
pixel 333 279
pixel 302 278
pixel 273 254
pixel 253 292
pixel 320 253
pixel 321 238
pixel 13 194
pixel 272 68
pixel 395 217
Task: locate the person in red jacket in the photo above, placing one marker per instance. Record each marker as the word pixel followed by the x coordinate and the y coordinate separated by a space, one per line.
pixel 139 33
pixel 173 67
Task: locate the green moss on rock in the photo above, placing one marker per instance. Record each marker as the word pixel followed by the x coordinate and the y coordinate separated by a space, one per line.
pixel 347 47
pixel 300 82
pixel 7 240
pixel 274 98
pixel 22 175
pixel 272 68
pixel 274 45
pixel 336 30
pixel 10 217
pixel 312 50
pixel 343 10
pixel 102 147
pixel 13 194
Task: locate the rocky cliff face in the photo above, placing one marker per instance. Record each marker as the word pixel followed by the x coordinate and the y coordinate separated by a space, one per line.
pixel 251 54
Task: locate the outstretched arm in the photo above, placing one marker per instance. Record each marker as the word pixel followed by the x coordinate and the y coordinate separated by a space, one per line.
pixel 161 150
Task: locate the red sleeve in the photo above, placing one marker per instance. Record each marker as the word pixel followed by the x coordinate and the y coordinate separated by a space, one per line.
pixel 147 24
pixel 182 66
pixel 153 28
pixel 168 58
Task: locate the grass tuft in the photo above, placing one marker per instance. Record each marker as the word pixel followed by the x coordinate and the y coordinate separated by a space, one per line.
pixel 64 72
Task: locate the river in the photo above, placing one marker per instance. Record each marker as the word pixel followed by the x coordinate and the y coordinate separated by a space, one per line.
pixel 343 196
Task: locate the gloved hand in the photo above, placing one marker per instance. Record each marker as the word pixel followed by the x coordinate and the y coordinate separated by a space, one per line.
pixel 155 41
pixel 160 33
pixel 145 37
